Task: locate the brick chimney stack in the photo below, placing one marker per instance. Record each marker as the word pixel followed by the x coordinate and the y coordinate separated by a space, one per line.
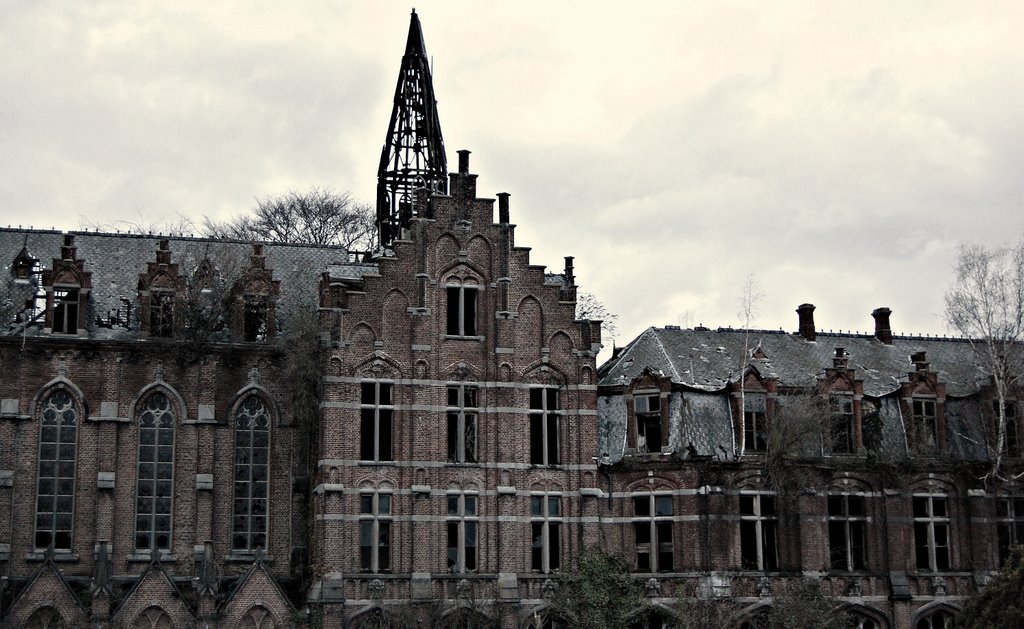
pixel 806 314
pixel 840 361
pixel 883 331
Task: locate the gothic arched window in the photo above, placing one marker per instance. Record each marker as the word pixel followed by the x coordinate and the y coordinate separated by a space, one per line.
pixel 55 489
pixel 154 487
pixel 252 472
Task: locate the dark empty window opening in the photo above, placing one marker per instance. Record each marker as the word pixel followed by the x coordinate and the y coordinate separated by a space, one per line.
pixel 255 323
pixel 931 532
pixel 1012 436
pixel 376 412
pixel 925 423
pixel 544 424
pixel 758 523
pixel 462 532
pixel 462 423
pixel 375 532
pixel 65 310
pixel 652 529
pixel 648 423
pixel 755 422
pixel 1009 524
pixel 161 314
pixel 842 438
pixel 462 311
pixel 847 525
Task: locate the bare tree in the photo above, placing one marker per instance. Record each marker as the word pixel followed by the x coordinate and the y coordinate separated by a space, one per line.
pixel 319 216
pixel 590 307
pixel 749 301
pixel 985 304
pixel 179 224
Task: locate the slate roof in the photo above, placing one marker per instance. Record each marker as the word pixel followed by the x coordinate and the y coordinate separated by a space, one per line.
pixel 116 260
pixel 707 360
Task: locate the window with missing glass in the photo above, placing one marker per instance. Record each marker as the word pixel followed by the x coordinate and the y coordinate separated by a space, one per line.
pixel 925 425
pixel 154 485
pixel 1009 524
pixel 161 313
pixel 758 525
pixel 252 475
pixel 65 310
pixel 55 481
pixel 755 422
pixel 544 425
pixel 842 438
pixel 931 531
pixel 462 310
pixel 648 422
pixel 462 423
pixel 847 529
pixel 652 532
pixel 376 411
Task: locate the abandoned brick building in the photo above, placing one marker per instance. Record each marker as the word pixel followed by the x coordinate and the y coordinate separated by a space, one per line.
pixel 175 452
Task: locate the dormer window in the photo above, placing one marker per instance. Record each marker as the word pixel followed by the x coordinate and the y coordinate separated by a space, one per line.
pixel 65 310
pixel 842 438
pixel 648 422
pixel 755 422
pixel 161 314
pixel 255 323
pixel 925 419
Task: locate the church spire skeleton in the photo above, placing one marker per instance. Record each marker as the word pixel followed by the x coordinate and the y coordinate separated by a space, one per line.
pixel 413 156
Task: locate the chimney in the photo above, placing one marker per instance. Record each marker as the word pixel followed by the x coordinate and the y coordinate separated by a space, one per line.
pixel 67 252
pixel 257 259
pixel 462 185
pixel 882 330
pixel 570 278
pixel 806 314
pixel 503 208
pixel 840 361
pixel 920 360
pixel 163 254
pixel 463 162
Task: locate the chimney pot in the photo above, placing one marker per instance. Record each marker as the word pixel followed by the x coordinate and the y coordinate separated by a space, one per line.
pixel 464 162
pixel 806 315
pixel 503 208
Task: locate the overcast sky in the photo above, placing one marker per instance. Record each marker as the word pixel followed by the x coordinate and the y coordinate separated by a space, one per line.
pixel 837 151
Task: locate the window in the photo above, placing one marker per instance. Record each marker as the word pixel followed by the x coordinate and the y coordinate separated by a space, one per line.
pixel 462 311
pixel 255 319
pixel 252 470
pixel 462 423
pixel 925 424
pixel 931 532
pixel 154 485
pixel 847 523
pixel 652 528
pixel 544 426
pixel 55 495
pixel 546 526
pixel 941 619
pixel 1009 524
pixel 161 314
pixel 375 532
pixel 758 521
pixel 842 437
pixel 648 423
pixel 755 422
pixel 376 411
pixel 462 532
pixel 1012 438
pixel 65 310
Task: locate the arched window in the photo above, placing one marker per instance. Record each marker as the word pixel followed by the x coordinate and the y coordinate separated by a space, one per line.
pixel 45 618
pixel 757 621
pixel 152 618
pixel 55 489
pixel 252 472
pixel 939 619
pixel 258 618
pixel 155 480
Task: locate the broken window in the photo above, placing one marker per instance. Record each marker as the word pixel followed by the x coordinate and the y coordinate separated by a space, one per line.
pixel 161 314
pixel 252 475
pixel 1009 524
pixel 65 310
pixel 462 529
pixel 871 424
pixel 544 421
pixel 376 412
pixel 55 484
pixel 925 423
pixel 154 486
pixel 939 619
pixel 931 531
pixel 652 530
pixel 545 526
pixel 847 524
pixel 255 322
pixel 462 423
pixel 755 422
pixel 842 438
pixel 375 532
pixel 462 311
pixel 648 423
pixel 758 523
